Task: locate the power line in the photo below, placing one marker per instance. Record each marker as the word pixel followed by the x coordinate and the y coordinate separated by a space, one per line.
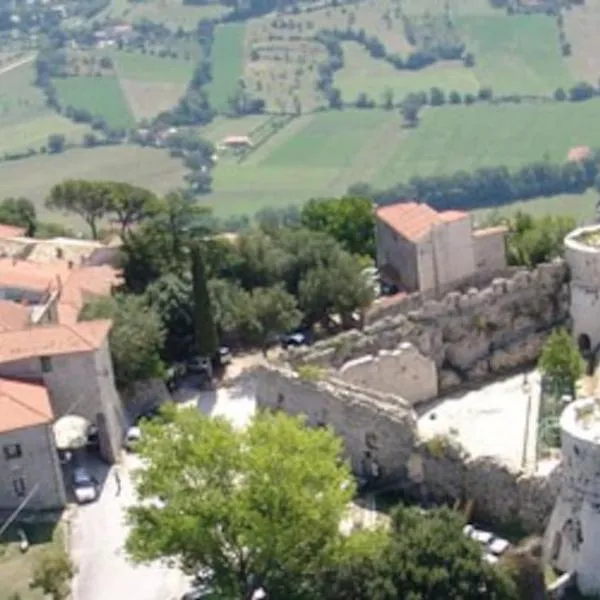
pixel 18 510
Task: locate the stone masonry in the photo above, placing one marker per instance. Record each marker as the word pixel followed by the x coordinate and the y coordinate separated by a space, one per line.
pixel 469 336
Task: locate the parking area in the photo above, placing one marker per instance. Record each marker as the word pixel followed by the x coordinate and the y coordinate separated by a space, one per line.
pixel 498 419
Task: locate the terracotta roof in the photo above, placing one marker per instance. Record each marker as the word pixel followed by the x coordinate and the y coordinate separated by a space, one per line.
pixel 53 340
pixel 11 231
pixel 579 153
pixel 485 231
pixel 23 405
pixel 413 220
pixel 28 275
pixel 13 316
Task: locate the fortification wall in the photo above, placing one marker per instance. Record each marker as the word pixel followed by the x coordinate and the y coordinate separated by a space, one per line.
pixel 383 427
pixel 469 336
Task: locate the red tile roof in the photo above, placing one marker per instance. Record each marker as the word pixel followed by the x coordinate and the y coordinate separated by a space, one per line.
pixel 11 231
pixel 13 316
pixel 26 275
pixel 413 220
pixel 23 405
pixel 53 340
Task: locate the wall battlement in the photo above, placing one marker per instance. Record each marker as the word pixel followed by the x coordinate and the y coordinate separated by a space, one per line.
pixel 469 336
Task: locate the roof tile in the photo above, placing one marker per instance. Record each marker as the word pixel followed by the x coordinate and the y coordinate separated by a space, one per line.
pixel 11 231
pixel 23 405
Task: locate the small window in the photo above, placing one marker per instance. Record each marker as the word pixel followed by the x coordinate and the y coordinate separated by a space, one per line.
pixel 19 486
pixel 12 451
pixel 46 364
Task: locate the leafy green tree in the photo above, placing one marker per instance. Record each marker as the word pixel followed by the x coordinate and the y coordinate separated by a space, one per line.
pixel 131 204
pixel 206 340
pixel 425 556
pixel 20 212
pixel 348 220
pixel 136 338
pixel 262 504
pixel 91 200
pixel 56 143
pixel 560 360
pixel 52 574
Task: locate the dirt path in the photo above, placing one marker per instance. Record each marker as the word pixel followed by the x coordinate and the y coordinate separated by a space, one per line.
pixel 17 64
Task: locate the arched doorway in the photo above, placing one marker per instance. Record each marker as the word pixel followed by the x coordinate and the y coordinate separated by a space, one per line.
pixel 584 343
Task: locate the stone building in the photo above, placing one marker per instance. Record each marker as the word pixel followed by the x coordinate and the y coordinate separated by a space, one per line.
pixel 434 251
pixel 574 528
pixel 28 455
pixel 582 253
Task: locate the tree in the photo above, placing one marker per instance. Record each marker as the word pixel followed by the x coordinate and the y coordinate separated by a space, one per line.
pixel 260 506
pixel 388 99
pixel 52 574
pixel 131 204
pixel 275 312
pixel 349 220
pixel 206 338
pixel 136 338
pixel 423 557
pixel 56 143
pixel 437 97
pixel 20 212
pixel 410 110
pixel 561 361
pixel 91 200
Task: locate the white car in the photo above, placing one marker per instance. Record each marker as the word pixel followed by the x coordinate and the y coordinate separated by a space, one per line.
pixel 133 435
pixel 85 487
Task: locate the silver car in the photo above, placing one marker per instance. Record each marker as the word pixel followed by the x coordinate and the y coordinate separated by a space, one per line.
pixel 85 486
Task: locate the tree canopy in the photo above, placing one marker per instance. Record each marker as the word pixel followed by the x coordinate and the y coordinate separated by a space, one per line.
pixel 261 505
pixel 136 338
pixel 560 360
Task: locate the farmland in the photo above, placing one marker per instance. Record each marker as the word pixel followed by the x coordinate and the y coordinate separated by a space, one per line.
pixel 101 96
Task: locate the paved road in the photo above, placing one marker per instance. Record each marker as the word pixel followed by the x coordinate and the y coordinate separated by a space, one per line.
pixel 97 537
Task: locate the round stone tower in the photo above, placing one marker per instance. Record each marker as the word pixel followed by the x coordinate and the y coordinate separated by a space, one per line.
pixel 582 252
pixel 571 540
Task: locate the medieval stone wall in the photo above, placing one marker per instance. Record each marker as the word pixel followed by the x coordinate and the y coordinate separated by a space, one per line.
pixel 381 429
pixel 469 336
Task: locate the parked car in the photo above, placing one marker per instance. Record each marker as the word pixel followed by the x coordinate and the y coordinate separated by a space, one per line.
pixel 133 435
pixel 198 365
pixel 92 437
pixel 85 486
pixel 389 289
pixel 223 357
pixel 295 340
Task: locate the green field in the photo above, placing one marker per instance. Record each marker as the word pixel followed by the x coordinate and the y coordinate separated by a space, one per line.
pixel 227 57
pixel 102 96
pixel 33 177
pixel 146 67
pixel 361 73
pixel 581 207
pixel 516 54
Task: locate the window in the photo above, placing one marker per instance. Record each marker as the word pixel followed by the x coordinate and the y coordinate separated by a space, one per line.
pixel 19 486
pixel 12 451
pixel 46 364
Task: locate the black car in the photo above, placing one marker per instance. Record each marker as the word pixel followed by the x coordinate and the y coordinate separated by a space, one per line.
pixel 295 340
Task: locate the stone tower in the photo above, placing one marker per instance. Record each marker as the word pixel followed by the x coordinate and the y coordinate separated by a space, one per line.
pixel 582 252
pixel 571 541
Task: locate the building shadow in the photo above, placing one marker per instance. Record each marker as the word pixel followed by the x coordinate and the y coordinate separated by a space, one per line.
pixel 38 528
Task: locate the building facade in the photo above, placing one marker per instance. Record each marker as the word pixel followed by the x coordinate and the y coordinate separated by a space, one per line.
pixel 430 251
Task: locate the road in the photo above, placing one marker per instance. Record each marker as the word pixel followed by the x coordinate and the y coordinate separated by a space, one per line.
pixel 98 532
pixel 19 63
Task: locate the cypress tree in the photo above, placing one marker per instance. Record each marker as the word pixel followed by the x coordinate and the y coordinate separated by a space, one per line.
pixel 204 325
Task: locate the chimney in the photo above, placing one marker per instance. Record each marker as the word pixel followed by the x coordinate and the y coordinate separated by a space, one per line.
pixel 70 264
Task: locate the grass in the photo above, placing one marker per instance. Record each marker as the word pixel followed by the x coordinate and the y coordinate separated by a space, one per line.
pixel 227 57
pixel 222 127
pixel 361 73
pixel 19 98
pixel 516 54
pixel 16 568
pixel 172 13
pixel 34 176
pixel 579 206
pixel 102 96
pixel 152 68
pixel 450 139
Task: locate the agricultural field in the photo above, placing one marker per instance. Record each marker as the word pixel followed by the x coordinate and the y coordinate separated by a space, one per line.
pixel 516 54
pixel 581 27
pixel 172 13
pixel 25 120
pixel 227 57
pixel 363 74
pixel 101 96
pixel 33 177
pixel 581 207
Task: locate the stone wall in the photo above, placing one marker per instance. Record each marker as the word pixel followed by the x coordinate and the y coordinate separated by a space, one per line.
pixel 405 372
pixel 381 428
pixel 469 336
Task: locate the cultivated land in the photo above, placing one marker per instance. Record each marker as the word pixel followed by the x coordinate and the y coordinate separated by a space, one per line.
pixel 34 176
pixel 582 26
pixel 16 568
pixel 101 96
pixel 25 120
pixel 227 57
pixel 172 13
